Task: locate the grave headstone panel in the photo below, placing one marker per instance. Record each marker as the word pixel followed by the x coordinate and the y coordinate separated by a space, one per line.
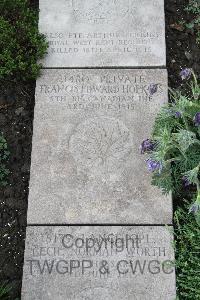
pixel 93 110
pixel 103 33
pixel 86 163
pixel 102 263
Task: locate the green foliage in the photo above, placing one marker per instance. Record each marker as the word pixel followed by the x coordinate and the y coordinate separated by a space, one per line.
pixel 187 241
pixel 4 154
pixel 194 8
pixel 4 291
pixel 176 136
pixel 21 44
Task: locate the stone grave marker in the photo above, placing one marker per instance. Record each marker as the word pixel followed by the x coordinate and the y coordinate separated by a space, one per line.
pixel 100 33
pixel 86 163
pixel 98 262
pixel 94 219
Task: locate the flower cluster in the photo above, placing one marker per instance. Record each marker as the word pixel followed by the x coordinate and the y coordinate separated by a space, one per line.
pixel 147 146
pixel 185 74
pixel 197 119
pixel 174 147
pixel 154 165
pixel 153 88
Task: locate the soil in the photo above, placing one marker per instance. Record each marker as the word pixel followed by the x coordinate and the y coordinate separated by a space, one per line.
pixel 182 50
pixel 16 117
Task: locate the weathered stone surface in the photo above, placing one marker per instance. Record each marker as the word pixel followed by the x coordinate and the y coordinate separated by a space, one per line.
pixel 86 163
pixel 98 263
pixel 89 33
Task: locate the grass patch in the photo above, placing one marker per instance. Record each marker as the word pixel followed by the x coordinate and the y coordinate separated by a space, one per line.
pixel 187 250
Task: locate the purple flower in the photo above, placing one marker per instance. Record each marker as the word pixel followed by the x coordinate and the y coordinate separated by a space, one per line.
pixel 185 181
pixel 194 208
pixel 197 119
pixel 154 165
pixel 185 73
pixel 177 114
pixel 153 88
pixel 146 146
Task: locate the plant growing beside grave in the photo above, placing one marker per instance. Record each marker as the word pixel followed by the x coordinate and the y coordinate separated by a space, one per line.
pixel 194 8
pixel 4 154
pixel 21 43
pixel 187 235
pixel 4 291
pixel 174 147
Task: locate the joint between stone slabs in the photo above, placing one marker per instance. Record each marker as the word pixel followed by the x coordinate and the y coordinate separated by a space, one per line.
pixel 108 68
pixel 100 225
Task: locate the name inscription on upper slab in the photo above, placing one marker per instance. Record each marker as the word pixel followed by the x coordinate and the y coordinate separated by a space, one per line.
pixel 103 33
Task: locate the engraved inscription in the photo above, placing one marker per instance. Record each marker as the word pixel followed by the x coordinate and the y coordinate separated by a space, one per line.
pixel 109 93
pixel 101 142
pixel 88 129
pixel 136 43
pixel 99 11
pixel 100 255
pixel 102 261
pixel 99 263
pixel 105 33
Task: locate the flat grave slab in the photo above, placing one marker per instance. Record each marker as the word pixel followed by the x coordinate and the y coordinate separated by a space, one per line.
pixel 103 33
pixel 86 163
pixel 98 262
